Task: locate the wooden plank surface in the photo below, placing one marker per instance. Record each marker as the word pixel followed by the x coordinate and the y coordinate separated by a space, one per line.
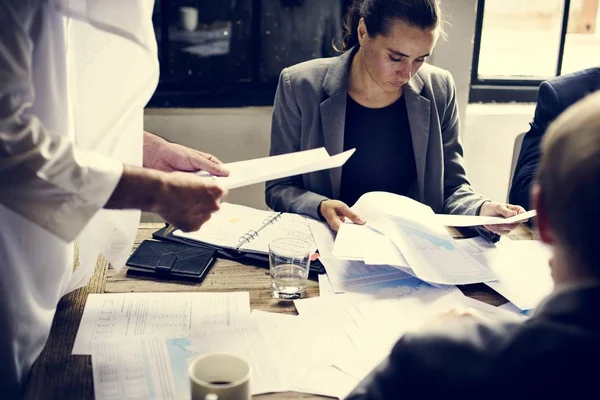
pixel 58 375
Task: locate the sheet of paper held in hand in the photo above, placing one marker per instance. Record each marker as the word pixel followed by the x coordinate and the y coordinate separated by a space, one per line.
pixel 477 220
pixel 245 173
pixel 121 315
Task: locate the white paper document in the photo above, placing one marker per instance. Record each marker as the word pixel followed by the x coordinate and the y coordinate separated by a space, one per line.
pixel 244 173
pixel 422 241
pixel 374 205
pixel 348 242
pixel 156 368
pixel 346 275
pixel 492 312
pixel 370 343
pixel 325 287
pixel 126 315
pixel 521 267
pixel 431 252
pixel 306 363
pixel 523 272
pixel 360 242
pixel 477 220
pixel 510 307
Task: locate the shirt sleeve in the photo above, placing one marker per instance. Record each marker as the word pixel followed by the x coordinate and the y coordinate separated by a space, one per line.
pixel 43 177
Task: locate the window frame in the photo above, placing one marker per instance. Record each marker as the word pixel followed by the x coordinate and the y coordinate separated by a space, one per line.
pixel 508 90
pixel 253 93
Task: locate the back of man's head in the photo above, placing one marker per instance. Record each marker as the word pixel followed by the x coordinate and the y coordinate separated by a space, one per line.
pixel 569 180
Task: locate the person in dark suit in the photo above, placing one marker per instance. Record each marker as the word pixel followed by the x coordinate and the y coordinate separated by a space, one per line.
pixel 381 98
pixel 553 354
pixel 293 31
pixel 554 96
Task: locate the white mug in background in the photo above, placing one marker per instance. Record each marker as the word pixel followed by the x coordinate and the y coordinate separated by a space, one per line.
pixel 225 375
pixel 188 17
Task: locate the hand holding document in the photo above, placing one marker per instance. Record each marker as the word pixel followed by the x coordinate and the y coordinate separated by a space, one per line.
pixel 477 220
pixel 244 173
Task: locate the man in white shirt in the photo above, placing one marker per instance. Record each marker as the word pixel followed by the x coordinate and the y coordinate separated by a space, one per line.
pixel 74 159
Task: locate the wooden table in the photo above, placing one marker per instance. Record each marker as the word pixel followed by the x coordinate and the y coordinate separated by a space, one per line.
pixel 59 375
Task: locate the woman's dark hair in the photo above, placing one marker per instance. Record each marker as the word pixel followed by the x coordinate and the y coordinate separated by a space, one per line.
pixel 379 14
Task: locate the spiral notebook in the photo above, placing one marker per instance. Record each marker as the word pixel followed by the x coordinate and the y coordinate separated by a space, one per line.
pixel 248 230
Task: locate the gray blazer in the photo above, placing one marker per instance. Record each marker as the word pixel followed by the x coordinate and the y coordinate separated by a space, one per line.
pixel 550 356
pixel 310 110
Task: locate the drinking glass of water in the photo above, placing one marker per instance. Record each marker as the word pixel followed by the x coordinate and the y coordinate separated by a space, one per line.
pixel 289 260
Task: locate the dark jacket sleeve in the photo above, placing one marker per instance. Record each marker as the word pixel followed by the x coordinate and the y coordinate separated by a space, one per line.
pixel 547 109
pixel 459 197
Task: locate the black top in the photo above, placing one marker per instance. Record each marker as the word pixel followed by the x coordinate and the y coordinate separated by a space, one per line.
pixel 384 159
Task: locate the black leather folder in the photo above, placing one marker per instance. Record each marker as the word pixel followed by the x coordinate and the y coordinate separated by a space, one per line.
pixel 260 260
pixel 171 260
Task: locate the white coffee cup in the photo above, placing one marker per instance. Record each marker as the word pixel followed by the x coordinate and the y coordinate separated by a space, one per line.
pixel 189 18
pixel 225 375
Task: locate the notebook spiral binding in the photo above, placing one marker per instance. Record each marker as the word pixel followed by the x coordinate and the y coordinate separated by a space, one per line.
pixel 248 236
pixel 251 234
pixel 274 217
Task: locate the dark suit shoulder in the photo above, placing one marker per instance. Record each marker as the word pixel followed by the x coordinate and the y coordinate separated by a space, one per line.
pixel 572 87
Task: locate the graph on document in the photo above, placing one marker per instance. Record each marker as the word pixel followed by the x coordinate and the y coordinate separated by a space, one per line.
pixel 424 241
pixel 434 256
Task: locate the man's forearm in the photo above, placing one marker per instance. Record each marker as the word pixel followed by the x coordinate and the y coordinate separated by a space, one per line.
pixel 138 188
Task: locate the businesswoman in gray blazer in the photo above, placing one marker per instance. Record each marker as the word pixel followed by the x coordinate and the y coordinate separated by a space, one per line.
pixel 381 98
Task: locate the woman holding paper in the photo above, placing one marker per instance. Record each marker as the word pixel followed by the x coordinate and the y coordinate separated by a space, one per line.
pixel 381 98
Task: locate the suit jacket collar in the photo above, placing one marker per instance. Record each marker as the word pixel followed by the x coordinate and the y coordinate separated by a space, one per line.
pixel 333 117
pixel 418 109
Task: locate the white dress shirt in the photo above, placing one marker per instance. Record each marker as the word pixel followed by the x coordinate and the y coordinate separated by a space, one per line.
pixel 75 76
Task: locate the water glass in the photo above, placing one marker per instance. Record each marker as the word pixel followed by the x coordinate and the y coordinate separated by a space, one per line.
pixel 289 260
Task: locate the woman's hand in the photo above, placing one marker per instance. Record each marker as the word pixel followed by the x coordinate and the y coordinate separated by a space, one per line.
pixel 335 213
pixel 493 209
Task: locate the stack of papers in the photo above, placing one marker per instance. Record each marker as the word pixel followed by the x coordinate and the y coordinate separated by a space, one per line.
pixel 141 344
pixel 406 234
pixel 384 279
